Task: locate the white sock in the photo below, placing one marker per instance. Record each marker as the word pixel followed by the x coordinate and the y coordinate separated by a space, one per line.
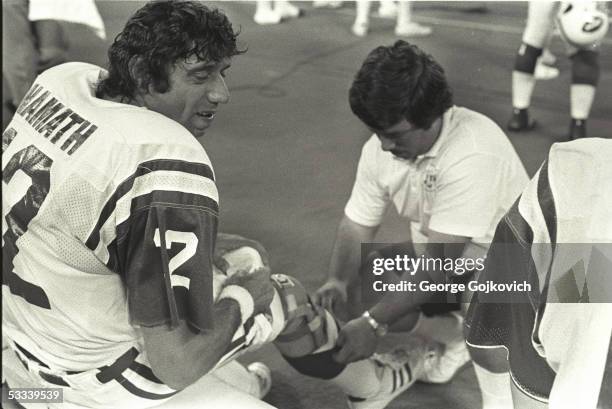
pixel 284 5
pixel 362 11
pixel 264 6
pixel 522 89
pixel 361 378
pixel 581 100
pixel 404 13
pixel 494 388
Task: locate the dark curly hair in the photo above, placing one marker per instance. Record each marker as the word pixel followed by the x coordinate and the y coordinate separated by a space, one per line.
pixel 160 34
pixel 399 82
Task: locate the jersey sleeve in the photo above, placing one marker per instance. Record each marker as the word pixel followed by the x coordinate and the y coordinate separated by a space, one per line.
pixel 466 199
pixel 368 201
pixel 165 218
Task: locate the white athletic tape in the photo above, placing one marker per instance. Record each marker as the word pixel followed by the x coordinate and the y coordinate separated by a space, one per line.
pixel 242 297
pixel 243 259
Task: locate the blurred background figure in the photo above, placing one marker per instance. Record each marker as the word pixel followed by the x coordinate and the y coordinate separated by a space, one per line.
pixel 330 4
pixel 32 40
pixel 273 12
pixel 582 24
pixel 404 26
pixel 546 66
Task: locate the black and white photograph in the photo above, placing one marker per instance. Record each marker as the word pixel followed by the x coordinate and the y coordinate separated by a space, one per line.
pixel 306 204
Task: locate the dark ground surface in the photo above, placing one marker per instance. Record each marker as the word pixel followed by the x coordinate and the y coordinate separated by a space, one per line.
pixel 285 148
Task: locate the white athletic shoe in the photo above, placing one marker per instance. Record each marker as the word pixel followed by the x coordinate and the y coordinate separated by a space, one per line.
pixel 442 369
pixel 399 369
pixel 267 17
pixel 360 29
pixel 263 375
pixel 287 10
pixel 412 30
pixel 326 4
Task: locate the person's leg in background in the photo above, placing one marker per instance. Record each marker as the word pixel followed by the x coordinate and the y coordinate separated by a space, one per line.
pixel 585 76
pixel 540 23
pixel 361 24
pixel 545 67
pixel 19 52
pixel 273 12
pixel 405 26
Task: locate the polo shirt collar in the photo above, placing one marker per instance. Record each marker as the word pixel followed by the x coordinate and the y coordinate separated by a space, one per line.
pixel 444 131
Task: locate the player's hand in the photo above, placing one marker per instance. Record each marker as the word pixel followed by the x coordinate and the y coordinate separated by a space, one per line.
pixel 332 295
pixel 258 284
pixel 357 340
pixel 229 242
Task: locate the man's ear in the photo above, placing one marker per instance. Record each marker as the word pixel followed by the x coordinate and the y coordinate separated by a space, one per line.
pixel 140 75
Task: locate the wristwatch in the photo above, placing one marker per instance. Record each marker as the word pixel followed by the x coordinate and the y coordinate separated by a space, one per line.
pixel 379 329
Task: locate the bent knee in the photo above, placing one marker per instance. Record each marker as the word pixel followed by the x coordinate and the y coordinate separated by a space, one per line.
pixel 492 359
pixel 243 259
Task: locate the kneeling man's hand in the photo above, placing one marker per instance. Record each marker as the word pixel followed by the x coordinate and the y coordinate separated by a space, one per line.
pixel 357 340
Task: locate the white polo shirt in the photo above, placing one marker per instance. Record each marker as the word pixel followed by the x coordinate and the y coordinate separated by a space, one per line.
pixel 462 186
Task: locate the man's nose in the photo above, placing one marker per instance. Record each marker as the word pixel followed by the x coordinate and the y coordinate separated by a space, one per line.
pixel 219 94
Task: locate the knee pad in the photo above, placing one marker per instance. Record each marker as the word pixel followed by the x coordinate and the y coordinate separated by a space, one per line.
pixel 310 331
pixel 585 67
pixel 526 58
pixel 305 328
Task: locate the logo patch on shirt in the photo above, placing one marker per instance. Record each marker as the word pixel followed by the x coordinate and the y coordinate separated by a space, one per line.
pixel 430 179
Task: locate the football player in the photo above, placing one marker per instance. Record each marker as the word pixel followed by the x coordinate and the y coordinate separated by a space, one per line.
pixel 556 338
pixel 583 25
pixel 115 287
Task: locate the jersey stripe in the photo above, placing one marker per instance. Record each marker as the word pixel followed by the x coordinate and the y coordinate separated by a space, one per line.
pixel 168 188
pixel 126 208
pixel 547 207
pixel 547 203
pixel 133 389
pixel 187 201
pixel 605 393
pixel 145 372
pixel 184 167
pixel 28 291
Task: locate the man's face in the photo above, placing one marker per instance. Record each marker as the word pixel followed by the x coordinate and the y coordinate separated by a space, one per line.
pixel 404 140
pixel 196 89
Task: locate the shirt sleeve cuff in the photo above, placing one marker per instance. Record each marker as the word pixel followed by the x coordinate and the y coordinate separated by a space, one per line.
pixel 359 218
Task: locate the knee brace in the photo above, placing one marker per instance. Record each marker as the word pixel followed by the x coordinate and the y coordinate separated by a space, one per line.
pixel 305 323
pixel 585 67
pixel 526 58
pixel 308 330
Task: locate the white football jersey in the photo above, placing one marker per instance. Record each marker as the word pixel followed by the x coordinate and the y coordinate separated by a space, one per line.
pixel 558 237
pixel 109 221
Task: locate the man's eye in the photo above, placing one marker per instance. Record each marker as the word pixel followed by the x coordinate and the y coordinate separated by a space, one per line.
pixel 201 77
pixel 224 73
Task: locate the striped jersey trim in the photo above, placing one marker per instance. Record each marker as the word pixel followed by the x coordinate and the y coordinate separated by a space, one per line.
pixel 547 207
pixel 133 389
pixel 145 168
pixel 605 393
